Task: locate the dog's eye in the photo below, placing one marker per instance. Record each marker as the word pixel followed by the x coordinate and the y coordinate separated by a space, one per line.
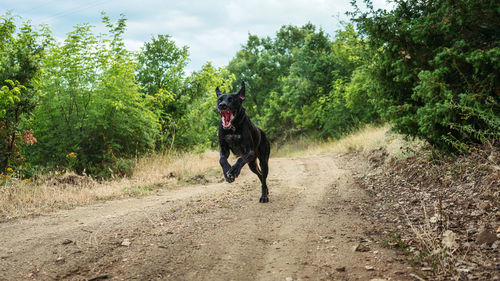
pixel 230 99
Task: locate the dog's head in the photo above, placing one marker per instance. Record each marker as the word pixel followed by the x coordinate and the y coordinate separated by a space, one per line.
pixel 229 105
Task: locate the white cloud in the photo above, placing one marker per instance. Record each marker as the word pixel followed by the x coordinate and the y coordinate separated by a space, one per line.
pixel 168 23
pixel 213 30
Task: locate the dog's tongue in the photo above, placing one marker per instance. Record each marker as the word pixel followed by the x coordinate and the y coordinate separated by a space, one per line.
pixel 226 118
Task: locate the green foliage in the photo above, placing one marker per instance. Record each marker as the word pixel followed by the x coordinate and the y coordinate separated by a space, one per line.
pixel 431 68
pixel 199 127
pixel 438 76
pixel 300 82
pixel 160 74
pixel 90 104
pixel 10 95
pixel 20 55
pixel 161 65
pixel 263 62
pixel 350 103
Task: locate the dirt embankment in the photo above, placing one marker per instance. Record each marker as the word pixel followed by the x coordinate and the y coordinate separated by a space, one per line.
pixel 444 212
pixel 314 228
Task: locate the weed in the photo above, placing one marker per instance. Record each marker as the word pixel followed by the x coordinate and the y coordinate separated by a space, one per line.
pixel 201 211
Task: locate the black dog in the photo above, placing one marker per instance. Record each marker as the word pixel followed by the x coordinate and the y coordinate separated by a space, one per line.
pixel 243 138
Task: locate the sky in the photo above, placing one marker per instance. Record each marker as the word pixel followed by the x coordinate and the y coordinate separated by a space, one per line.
pixel 213 30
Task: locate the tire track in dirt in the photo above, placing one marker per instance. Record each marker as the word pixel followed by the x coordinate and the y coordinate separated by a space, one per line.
pixel 212 232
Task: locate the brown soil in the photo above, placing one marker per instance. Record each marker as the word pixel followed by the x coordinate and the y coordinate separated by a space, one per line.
pixel 312 229
pixel 443 211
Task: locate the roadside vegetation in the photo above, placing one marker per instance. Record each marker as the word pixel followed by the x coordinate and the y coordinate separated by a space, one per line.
pixel 90 106
pixel 154 173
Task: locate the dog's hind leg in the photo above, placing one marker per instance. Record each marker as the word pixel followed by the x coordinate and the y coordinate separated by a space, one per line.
pixel 264 149
pixel 265 191
pixel 254 168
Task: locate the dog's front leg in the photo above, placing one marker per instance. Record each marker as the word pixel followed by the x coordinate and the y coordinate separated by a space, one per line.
pixel 235 170
pixel 224 154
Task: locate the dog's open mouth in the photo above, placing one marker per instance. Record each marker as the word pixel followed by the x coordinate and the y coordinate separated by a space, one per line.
pixel 227 117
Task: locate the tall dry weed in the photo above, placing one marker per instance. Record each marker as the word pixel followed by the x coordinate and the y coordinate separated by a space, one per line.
pixel 365 139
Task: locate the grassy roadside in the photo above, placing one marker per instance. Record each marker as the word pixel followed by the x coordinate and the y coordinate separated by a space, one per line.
pixel 156 172
pixel 152 173
pixel 365 139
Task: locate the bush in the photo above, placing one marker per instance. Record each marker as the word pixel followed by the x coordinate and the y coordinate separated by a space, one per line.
pixel 90 106
pixel 21 51
pixel 439 69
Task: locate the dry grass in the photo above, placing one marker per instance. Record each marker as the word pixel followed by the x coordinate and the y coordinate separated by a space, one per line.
pixel 155 167
pixel 152 172
pixel 366 139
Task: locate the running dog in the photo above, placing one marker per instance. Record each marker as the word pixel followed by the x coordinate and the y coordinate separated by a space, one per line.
pixel 239 135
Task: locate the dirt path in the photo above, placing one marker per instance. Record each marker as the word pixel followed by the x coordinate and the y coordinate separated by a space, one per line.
pixel 312 229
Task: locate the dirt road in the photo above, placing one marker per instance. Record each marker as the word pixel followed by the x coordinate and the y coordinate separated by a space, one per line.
pixel 312 229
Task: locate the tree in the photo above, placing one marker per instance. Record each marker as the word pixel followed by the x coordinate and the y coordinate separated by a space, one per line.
pixel 349 103
pixel 21 52
pixel 300 82
pixel 160 74
pixel 198 127
pixel 90 106
pixel 309 79
pixel 438 76
pixel 263 62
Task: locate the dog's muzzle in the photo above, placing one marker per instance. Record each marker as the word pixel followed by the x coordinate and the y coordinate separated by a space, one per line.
pixel 226 118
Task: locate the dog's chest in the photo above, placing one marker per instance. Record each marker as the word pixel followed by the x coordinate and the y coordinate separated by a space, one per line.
pixel 235 143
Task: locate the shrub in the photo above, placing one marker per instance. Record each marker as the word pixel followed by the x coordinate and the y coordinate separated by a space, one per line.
pixel 439 69
pixel 90 105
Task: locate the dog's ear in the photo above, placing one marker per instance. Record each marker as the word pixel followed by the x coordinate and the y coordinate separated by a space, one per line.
pixel 217 91
pixel 241 93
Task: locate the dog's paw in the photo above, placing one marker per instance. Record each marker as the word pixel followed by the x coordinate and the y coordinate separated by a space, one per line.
pixel 233 173
pixel 229 180
pixel 264 199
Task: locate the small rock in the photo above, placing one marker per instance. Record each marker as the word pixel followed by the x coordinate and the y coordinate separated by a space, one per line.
pixel 485 205
pixel 426 268
pixel 449 240
pixel 485 236
pixel 289 279
pixel 369 267
pixel 126 242
pixel 498 230
pixel 360 248
pixel 60 259
pixel 66 241
pixel 340 268
pixel 434 219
